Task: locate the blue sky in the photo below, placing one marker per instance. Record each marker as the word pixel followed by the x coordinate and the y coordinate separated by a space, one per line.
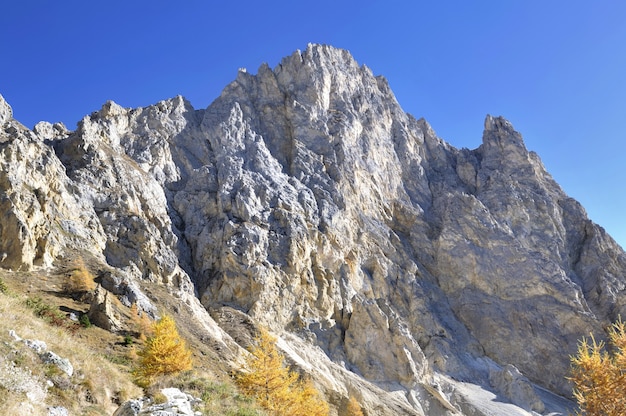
pixel 556 69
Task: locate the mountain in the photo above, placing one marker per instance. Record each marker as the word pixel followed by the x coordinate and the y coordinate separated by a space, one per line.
pixel 420 278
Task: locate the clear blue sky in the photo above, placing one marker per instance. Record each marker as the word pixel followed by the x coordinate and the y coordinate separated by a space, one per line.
pixel 556 69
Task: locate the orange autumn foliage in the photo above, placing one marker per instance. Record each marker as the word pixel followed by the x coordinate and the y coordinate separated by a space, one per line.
pixel 164 353
pixel 276 388
pixel 140 323
pixel 79 279
pixel 353 408
pixel 599 376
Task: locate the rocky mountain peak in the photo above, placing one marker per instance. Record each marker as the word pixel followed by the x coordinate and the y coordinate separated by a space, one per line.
pixel 6 112
pixel 304 199
pixel 111 109
pixel 502 144
pixel 499 132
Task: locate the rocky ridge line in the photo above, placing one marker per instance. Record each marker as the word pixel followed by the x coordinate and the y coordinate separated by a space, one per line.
pixel 306 199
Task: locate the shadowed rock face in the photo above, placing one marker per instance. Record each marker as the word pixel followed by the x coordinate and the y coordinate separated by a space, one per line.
pixel 306 198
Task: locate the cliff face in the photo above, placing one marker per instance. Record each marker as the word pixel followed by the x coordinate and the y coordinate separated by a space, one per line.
pixel 307 199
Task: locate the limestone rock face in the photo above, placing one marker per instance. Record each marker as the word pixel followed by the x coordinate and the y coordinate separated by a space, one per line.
pixel 41 212
pixel 6 113
pixel 305 199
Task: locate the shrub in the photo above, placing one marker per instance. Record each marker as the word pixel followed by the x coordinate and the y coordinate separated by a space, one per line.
pixel 599 376
pixel 140 323
pixel 85 321
pixel 128 340
pixel 276 388
pixel 80 280
pixel 39 306
pixel 4 289
pixel 216 391
pixel 353 408
pixel 164 353
pixel 51 314
pixel 159 397
pixel 218 397
pixel 122 360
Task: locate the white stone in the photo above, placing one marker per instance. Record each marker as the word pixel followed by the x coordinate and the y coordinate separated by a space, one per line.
pixel 58 411
pixel 14 335
pixel 62 363
pixel 36 345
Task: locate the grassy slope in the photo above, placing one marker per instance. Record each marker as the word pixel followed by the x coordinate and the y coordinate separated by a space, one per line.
pixel 102 361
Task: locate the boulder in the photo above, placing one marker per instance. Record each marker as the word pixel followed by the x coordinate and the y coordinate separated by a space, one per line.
pixel 62 364
pixel 177 404
pixel 516 388
pixel 103 312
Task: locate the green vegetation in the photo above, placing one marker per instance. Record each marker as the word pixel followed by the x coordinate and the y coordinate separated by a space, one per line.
pixel 85 321
pixel 4 289
pixel 118 359
pixel 128 340
pixel 51 314
pixel 105 363
pixel 95 383
pixel 218 397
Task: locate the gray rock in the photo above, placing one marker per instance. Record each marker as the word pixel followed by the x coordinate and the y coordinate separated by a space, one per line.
pixel 62 363
pixel 103 312
pixel 129 408
pixel 38 346
pixel 6 112
pixel 43 215
pixel 305 198
pixel 20 380
pixel 177 404
pixel 128 292
pixel 516 388
pixel 48 131
pixel 58 411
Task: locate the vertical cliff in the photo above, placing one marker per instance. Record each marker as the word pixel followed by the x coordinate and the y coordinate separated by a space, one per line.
pixel 305 198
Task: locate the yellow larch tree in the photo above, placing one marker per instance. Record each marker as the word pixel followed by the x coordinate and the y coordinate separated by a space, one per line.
pixel 599 376
pixel 306 401
pixel 79 280
pixel 140 323
pixel 276 388
pixel 165 352
pixel 353 408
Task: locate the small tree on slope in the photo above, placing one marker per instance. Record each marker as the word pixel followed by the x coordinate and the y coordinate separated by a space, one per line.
pixel 353 408
pixel 599 376
pixel 274 387
pixel 164 353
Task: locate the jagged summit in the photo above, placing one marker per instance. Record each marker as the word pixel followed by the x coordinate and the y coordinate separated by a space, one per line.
pixel 6 113
pixel 305 199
